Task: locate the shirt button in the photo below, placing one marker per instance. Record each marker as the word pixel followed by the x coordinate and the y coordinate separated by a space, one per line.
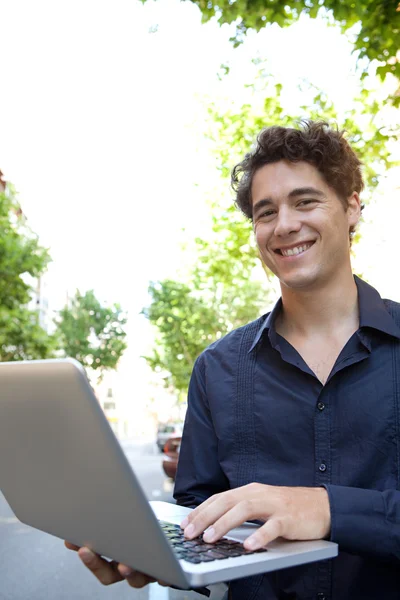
pixel 322 467
pixel 321 406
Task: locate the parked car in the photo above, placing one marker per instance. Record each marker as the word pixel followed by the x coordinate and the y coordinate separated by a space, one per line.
pixel 166 431
pixel 171 456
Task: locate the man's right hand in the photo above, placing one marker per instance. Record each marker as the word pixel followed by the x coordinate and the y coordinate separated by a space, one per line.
pixel 111 572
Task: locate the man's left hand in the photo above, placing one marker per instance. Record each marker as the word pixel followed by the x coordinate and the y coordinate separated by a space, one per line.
pixel 294 513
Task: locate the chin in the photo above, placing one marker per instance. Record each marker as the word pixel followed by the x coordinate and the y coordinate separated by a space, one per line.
pixel 299 281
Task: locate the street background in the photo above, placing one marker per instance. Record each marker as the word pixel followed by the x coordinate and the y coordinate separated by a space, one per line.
pixel 120 123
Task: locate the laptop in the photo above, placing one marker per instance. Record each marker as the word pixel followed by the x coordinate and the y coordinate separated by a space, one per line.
pixel 63 471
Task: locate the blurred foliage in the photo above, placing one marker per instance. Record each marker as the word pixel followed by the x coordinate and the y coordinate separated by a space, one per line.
pixel 21 255
pixel 376 35
pixel 222 290
pixel 233 131
pixel 218 296
pixel 91 333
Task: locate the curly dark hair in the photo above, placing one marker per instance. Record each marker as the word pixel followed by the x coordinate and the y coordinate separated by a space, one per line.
pixel 316 143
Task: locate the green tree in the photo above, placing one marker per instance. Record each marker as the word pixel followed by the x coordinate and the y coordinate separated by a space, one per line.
pixel 220 292
pixel 223 288
pixel 377 31
pixel 189 318
pixel 21 336
pixel 91 333
pixel 233 131
pixel 185 324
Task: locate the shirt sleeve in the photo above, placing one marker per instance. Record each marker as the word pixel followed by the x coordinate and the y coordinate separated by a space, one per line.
pixel 199 474
pixel 365 522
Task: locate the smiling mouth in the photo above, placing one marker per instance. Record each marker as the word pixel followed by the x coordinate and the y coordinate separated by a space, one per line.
pixel 294 251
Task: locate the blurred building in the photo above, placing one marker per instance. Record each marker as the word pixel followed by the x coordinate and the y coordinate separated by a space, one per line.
pixel 135 400
pixel 125 403
pixel 40 302
pixel 109 403
pixel 2 182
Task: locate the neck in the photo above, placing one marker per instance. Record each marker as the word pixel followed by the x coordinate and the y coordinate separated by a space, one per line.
pixel 315 311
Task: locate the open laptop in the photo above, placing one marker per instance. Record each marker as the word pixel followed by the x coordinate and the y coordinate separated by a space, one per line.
pixel 63 471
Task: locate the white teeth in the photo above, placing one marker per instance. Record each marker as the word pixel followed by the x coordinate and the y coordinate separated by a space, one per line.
pixel 296 250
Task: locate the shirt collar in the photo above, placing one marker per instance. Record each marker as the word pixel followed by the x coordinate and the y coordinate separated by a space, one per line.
pixel 268 324
pixel 373 313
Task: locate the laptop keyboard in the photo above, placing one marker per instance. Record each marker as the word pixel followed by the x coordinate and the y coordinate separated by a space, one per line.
pixel 197 551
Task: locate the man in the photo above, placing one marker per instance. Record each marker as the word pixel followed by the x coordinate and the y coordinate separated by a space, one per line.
pixel 294 419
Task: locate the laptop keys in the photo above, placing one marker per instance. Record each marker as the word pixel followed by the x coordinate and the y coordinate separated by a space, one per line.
pixel 197 551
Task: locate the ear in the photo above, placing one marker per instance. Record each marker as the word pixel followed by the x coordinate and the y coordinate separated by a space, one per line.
pixel 353 209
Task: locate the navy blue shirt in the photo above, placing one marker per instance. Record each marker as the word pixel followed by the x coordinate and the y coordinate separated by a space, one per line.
pixel 278 424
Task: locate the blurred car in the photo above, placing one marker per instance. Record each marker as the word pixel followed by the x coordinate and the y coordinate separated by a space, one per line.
pixel 166 431
pixel 170 460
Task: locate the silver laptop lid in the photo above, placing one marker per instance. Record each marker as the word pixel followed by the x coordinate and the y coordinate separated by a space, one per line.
pixel 54 438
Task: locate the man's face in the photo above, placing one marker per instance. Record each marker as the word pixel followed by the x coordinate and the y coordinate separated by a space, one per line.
pixel 300 224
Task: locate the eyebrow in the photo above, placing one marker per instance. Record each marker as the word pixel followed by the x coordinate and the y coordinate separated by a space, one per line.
pixel 292 194
pixel 306 190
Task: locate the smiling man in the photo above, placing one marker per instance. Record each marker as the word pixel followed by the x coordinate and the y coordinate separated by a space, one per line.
pixel 293 420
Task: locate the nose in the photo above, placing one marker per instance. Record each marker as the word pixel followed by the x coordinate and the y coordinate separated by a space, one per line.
pixel 287 222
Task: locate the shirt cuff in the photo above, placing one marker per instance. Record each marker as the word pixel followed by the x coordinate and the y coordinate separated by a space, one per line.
pixel 358 520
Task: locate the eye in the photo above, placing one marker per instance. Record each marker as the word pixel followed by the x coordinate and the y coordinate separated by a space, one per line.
pixel 306 202
pixel 266 214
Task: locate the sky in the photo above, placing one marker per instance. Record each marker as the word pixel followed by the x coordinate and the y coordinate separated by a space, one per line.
pixel 103 109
